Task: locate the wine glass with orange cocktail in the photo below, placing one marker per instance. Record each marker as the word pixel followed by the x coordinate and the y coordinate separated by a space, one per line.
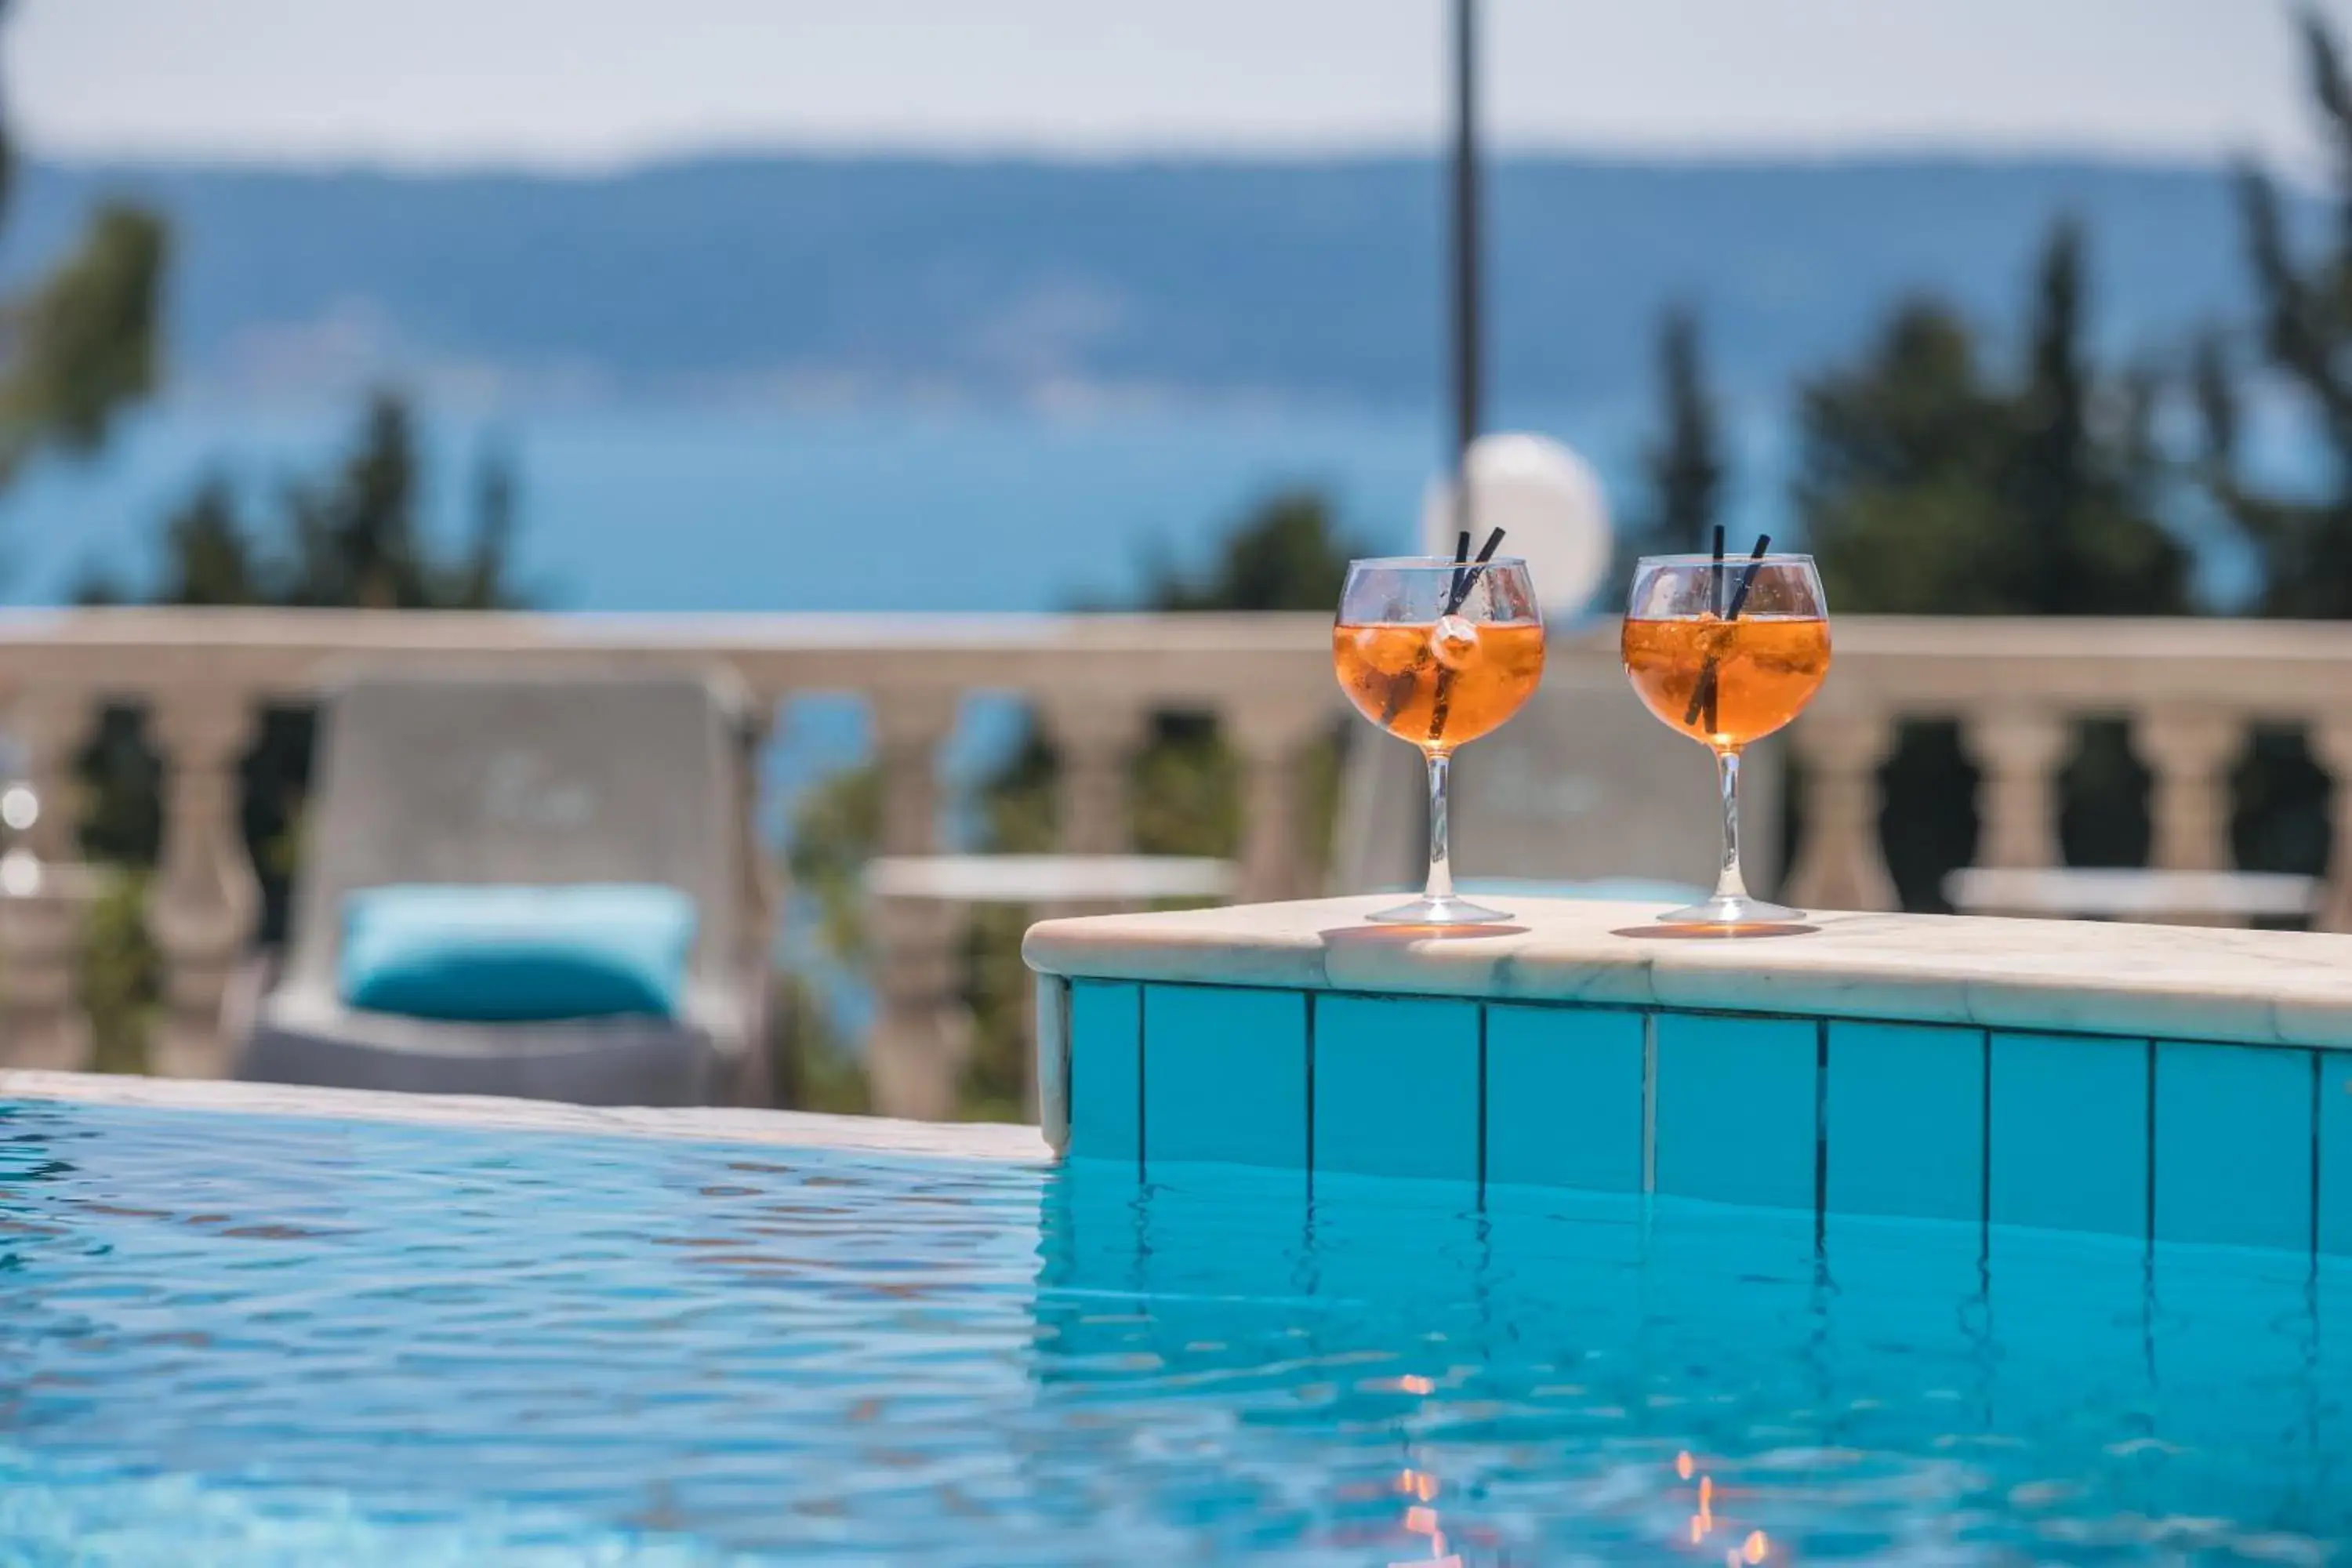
pixel 1438 653
pixel 1727 651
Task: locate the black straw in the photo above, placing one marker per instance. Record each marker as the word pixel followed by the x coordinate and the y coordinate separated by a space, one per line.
pixel 1714 575
pixel 1703 695
pixel 1441 708
pixel 1466 574
pixel 1748 578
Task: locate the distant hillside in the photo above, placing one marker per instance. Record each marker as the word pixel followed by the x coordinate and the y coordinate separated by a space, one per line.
pixel 861 276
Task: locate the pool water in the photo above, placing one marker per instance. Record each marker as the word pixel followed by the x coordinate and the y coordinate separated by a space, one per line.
pixel 263 1339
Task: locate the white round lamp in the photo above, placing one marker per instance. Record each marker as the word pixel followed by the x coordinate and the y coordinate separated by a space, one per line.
pixel 1548 502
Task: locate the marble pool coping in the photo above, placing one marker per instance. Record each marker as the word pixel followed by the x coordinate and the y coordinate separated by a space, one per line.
pixel 796 1128
pixel 2251 987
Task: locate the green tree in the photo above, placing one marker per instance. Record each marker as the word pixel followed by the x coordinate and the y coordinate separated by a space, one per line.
pixel 2301 345
pixel 352 538
pixel 1287 554
pixel 1928 485
pixel 208 557
pixel 2304 335
pixel 79 346
pixel 82 346
pixel 1931 484
pixel 1684 467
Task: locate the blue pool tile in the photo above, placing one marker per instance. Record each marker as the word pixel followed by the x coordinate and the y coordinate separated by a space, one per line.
pixel 2069 1133
pixel 1106 1070
pixel 2336 1152
pixel 1564 1097
pixel 2332 1367
pixel 2070 1317
pixel 1905 1128
pixel 2234 1344
pixel 1225 1076
pixel 1906 1301
pixel 1738 1108
pixel 2233 1146
pixel 1396 1087
pixel 1737 1291
pixel 1223 1250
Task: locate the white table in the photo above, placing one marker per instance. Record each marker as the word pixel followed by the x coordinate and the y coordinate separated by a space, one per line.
pixel 2126 893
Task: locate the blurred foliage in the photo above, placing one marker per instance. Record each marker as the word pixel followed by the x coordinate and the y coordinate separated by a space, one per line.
pixel 836 827
pixel 2304 542
pixel 1286 554
pixel 2302 348
pixel 353 537
pixel 1185 792
pixel 1930 483
pixel 812 1067
pixel 1684 467
pixel 119 978
pixel 83 345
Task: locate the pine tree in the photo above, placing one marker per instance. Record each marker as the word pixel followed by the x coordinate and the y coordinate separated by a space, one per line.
pixel 1929 487
pixel 208 557
pixel 1686 465
pixel 351 538
pixel 1932 484
pixel 1287 554
pixel 2304 545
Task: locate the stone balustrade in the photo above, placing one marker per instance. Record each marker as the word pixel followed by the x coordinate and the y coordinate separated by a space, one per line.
pixel 2190 692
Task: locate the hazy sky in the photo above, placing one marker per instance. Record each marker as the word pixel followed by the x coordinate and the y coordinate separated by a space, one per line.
pixel 591 82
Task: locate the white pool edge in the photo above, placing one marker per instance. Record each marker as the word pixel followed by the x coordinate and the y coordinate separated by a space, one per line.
pixel 716 1125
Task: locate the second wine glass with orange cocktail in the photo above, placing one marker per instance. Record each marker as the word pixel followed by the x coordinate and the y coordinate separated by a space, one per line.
pixel 1438 653
pixel 1727 651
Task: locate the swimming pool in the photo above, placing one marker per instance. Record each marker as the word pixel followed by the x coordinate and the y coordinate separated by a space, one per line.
pixel 258 1339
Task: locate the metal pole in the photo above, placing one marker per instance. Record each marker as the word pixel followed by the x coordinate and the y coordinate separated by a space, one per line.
pixel 1468 371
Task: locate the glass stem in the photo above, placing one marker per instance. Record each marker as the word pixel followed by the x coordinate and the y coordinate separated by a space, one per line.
pixel 1441 860
pixel 1728 883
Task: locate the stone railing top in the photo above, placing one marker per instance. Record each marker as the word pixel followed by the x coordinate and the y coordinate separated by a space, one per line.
pixel 2178 982
pixel 1186 656
pixel 1884 663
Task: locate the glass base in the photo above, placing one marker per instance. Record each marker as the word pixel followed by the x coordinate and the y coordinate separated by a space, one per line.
pixel 1447 911
pixel 1730 911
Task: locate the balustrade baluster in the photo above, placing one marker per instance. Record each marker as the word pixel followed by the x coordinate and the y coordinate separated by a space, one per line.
pixel 40 924
pixel 1273 741
pixel 1841 864
pixel 2190 751
pixel 2331 743
pixel 204 900
pixel 762 899
pixel 1096 738
pixel 921 1036
pixel 2016 747
pixel 910 728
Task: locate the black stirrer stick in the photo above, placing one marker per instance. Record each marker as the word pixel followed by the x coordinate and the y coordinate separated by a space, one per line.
pixel 1703 695
pixel 1461 574
pixel 1441 707
pixel 1400 688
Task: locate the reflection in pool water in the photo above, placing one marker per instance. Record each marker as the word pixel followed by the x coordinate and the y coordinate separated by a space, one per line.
pixel 281 1341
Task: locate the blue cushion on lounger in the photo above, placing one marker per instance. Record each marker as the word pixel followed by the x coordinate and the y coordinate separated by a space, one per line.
pixel 506 954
